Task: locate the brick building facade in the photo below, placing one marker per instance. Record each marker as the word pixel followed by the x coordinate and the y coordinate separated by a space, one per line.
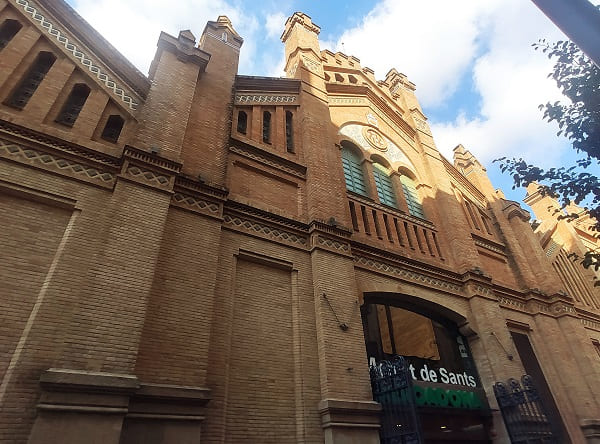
pixel 201 256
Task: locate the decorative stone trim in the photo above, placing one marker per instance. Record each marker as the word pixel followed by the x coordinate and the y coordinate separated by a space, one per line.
pixel 347 101
pixel 144 175
pixel 198 186
pixel 83 58
pixel 338 413
pixel 151 159
pixel 257 99
pixel 405 274
pixel 589 323
pixel 271 160
pixel 45 143
pixel 264 230
pixel 195 204
pixel 330 244
pixel 515 303
pixel 53 162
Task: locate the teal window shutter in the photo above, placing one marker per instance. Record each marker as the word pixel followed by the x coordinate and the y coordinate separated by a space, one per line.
pixel 353 172
pixel 383 182
pixel 412 197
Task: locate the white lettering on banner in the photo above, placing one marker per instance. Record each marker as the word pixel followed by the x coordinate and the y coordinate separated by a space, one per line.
pixel 444 376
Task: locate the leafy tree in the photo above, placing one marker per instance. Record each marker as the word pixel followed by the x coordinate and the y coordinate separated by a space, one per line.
pixel 578 119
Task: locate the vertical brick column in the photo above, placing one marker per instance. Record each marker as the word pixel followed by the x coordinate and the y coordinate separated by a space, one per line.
pixel 347 410
pixel 206 140
pixel 102 334
pixel 166 112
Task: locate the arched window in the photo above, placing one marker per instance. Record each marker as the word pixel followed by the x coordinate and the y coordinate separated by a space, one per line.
pixel 266 127
pixel 353 172
pixel 32 79
pixel 289 132
pixel 112 129
pixel 242 122
pixel 8 30
pixel 383 183
pixel 412 197
pixel 72 107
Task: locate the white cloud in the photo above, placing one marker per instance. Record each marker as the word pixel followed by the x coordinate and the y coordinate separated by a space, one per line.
pixel 512 80
pixel 274 24
pixel 135 28
pixel 431 41
pixel 438 44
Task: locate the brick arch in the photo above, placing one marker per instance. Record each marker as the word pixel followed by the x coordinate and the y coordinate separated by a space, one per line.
pixel 425 307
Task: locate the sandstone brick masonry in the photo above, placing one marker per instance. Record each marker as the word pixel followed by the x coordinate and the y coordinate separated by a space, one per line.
pixel 184 263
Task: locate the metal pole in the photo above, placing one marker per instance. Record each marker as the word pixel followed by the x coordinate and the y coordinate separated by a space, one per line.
pixel 579 20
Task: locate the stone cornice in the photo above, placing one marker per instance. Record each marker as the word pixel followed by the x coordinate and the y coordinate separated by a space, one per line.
pixel 184 49
pixel 267 158
pixel 254 84
pixel 48 143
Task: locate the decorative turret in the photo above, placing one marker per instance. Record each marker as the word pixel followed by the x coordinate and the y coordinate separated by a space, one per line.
pixel 471 168
pixel 301 39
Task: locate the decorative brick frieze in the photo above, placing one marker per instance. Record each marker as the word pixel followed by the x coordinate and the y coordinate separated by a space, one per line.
pixel 266 99
pixel 406 274
pixel 263 230
pixel 58 34
pixel 149 169
pixel 53 162
pixel 512 303
pixel 196 204
pixel 43 142
pixel 152 160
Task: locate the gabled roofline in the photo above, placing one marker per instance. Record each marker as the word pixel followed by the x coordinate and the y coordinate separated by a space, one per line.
pixel 101 47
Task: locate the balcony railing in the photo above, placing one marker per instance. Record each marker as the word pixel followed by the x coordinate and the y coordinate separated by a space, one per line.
pixel 391 229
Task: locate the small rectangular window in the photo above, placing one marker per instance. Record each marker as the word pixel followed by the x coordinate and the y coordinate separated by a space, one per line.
pixel 289 132
pixel 266 127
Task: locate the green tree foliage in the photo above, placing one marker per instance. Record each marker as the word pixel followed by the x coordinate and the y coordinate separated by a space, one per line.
pixel 578 120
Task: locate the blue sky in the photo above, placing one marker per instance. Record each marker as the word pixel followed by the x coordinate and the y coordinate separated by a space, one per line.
pixel 478 79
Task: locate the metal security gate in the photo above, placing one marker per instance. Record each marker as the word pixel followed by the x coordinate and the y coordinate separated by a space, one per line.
pixel 392 388
pixel 523 412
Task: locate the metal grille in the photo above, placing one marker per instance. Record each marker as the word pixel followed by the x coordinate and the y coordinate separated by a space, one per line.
pixel 523 412
pixel 392 388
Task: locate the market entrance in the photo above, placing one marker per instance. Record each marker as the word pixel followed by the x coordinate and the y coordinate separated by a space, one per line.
pixel 449 401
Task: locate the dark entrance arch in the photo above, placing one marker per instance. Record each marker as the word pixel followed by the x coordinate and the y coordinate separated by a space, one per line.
pixel 451 405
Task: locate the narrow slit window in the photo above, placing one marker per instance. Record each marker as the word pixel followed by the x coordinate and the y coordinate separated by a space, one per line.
pixel 412 197
pixel 31 81
pixel 112 129
pixel 289 132
pixel 266 127
pixel 353 216
pixel 376 223
pixel 8 30
pixel 72 107
pixel 242 122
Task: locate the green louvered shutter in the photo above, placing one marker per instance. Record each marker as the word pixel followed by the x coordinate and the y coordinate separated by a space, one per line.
pixel 385 190
pixel 412 197
pixel 353 172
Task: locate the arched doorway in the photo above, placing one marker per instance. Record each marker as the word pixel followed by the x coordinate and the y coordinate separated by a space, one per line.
pixel 449 400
